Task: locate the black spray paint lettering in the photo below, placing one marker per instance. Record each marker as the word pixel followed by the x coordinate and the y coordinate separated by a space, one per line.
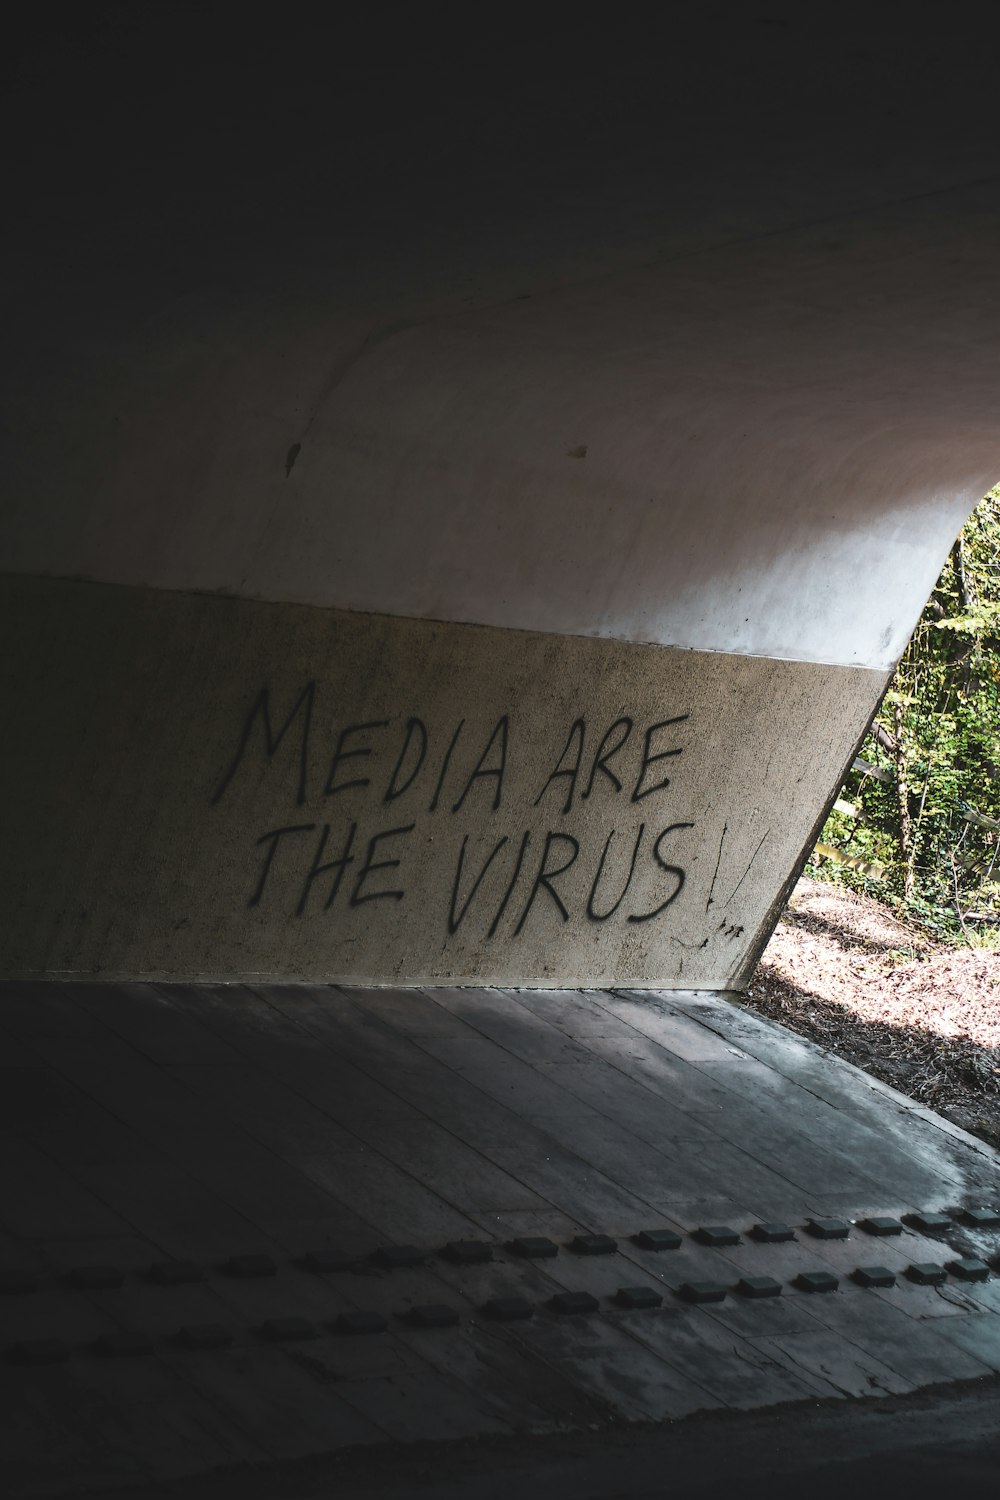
pixel 457 916
pixel 592 912
pixel 334 867
pixel 650 759
pixel 606 752
pixel 414 728
pixel 512 883
pixel 359 746
pixel 454 922
pixel 548 873
pixel 261 710
pixel 371 865
pixel 567 767
pixel 273 839
pixel 574 748
pixel 560 853
pixel 675 870
pixel 484 771
pixel 534 880
pixel 445 764
pixel 358 753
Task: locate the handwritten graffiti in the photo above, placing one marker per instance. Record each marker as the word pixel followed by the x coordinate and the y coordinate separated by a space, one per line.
pixel 582 856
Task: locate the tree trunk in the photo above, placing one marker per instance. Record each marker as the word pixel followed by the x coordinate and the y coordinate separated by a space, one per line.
pixel 958 563
pixel 906 850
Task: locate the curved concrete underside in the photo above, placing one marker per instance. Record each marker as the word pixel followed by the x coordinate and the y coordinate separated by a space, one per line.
pixel 403 341
pixel 761 449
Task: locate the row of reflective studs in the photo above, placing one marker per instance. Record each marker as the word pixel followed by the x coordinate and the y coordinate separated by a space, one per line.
pixel 478 1252
pixel 498 1309
pixel 509 1309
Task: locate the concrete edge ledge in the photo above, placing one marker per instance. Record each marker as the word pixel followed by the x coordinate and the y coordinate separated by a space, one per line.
pixel 715 1000
pixel 930 1437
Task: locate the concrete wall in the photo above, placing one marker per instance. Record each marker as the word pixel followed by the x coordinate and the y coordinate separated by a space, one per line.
pixel 217 788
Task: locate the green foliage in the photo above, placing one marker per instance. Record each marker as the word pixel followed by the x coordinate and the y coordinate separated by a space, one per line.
pixel 926 826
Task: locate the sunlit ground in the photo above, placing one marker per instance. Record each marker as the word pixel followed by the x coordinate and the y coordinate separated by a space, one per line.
pixel 844 971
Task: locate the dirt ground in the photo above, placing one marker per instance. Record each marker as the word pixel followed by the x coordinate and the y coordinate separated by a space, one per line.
pixel 924 1017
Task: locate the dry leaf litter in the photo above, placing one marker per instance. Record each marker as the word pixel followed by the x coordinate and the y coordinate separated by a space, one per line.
pixel 843 970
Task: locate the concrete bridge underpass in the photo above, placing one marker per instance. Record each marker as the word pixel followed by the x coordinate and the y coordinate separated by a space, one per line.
pixel 469 488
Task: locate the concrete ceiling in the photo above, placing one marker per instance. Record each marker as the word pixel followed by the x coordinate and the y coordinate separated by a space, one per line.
pixel 707 304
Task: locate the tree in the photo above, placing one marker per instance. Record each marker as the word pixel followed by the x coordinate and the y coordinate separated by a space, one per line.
pixel 918 819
